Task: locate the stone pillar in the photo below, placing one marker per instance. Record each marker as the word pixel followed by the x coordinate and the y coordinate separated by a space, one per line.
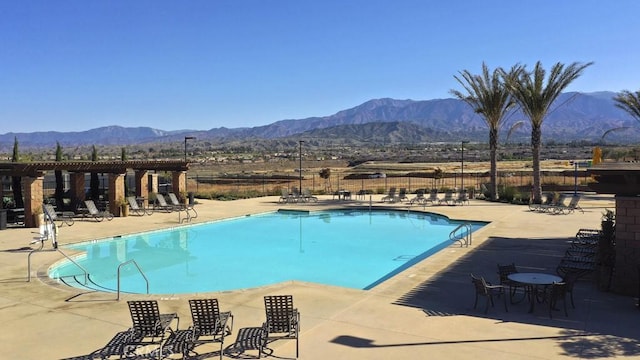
pixel 627 245
pixel 77 189
pixel 33 196
pixel 153 183
pixel 142 185
pixel 116 192
pixel 179 183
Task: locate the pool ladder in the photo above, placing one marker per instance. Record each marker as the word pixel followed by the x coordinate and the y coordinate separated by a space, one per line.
pixel 137 267
pixel 462 234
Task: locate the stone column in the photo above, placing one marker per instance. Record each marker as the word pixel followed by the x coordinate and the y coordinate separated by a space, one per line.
pixel 627 245
pixel 142 185
pixel 77 189
pixel 116 192
pixel 33 196
pixel 179 183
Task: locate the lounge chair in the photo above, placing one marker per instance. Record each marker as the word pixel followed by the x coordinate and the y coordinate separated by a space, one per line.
pixel 447 199
pixel 136 209
pixel 391 196
pixel 175 202
pixel 249 338
pixel 61 217
pixel 556 203
pixel 95 213
pixel 285 197
pixel 433 197
pixel 119 345
pixel 149 325
pixel 283 320
pixel 548 201
pixel 161 204
pixel 402 195
pixel 462 198
pixel 569 208
pixel 209 326
pixel 419 198
pixel 306 196
pixel 482 288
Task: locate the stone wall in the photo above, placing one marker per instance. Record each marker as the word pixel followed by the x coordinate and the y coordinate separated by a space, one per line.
pixel 626 278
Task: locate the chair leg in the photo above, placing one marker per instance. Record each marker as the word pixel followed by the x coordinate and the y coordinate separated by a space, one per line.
pixel 475 302
pixel 486 307
pixel 571 295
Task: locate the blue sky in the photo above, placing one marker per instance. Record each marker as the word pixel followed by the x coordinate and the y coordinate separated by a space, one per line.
pixel 76 65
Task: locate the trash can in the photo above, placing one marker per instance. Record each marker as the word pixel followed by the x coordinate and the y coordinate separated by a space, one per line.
pixel 191 198
pixel 3 219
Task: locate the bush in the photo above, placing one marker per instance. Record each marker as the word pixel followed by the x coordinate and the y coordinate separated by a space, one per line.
pixel 507 193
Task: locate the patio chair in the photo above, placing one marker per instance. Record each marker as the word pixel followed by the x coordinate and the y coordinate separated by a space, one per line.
pixel 120 345
pixel 402 195
pixel 548 201
pixel 569 208
pixel 419 198
pixel 95 213
pixel 283 320
pixel 554 293
pixel 61 217
pixel 149 326
pixel 433 197
pixel 285 197
pixel 554 204
pixel 306 196
pixel 483 288
pixel 250 338
pixel 177 205
pixel 209 326
pixel 503 274
pixel 391 196
pixel 161 204
pixel 447 199
pixel 136 209
pixel 462 198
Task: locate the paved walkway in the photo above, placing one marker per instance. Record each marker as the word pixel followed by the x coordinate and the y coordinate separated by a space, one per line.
pixel 424 312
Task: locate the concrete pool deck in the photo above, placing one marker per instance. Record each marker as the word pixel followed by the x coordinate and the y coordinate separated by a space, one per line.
pixel 425 311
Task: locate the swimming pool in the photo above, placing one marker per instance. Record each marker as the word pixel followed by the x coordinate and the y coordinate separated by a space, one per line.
pixel 349 248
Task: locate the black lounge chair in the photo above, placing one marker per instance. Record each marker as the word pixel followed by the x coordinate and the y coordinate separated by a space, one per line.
pixel 149 325
pixel 161 204
pixel 283 320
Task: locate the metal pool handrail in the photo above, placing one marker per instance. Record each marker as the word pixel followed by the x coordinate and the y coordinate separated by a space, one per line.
pixel 463 236
pixel 139 269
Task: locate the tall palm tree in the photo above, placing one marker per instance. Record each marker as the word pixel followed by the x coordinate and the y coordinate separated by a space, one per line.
pixel 535 97
pixel 490 98
pixel 629 102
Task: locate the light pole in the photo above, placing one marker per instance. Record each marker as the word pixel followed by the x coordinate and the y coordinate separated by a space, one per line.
pixel 185 145
pixel 462 163
pixel 300 167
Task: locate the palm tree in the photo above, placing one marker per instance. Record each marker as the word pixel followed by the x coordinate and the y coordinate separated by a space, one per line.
pixel 535 98
pixel 489 97
pixel 629 102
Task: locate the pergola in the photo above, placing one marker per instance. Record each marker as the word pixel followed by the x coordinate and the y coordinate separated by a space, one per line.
pixel 32 174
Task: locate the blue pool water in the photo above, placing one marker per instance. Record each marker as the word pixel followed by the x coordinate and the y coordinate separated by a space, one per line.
pixel 348 248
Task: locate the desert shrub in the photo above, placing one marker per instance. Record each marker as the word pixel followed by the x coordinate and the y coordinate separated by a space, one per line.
pixel 507 193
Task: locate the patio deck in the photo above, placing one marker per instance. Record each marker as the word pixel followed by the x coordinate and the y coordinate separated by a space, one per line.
pixel 424 311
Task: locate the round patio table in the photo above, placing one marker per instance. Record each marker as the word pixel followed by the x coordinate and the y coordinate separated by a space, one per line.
pixel 532 281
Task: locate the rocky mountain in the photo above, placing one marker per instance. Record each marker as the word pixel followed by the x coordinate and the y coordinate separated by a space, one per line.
pixel 574 117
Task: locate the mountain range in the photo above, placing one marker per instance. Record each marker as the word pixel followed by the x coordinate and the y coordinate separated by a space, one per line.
pixel 573 117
